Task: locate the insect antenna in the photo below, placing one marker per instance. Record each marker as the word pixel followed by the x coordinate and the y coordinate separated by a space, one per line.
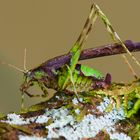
pixel 25 58
pixel 24 70
pixel 15 67
pixel 12 66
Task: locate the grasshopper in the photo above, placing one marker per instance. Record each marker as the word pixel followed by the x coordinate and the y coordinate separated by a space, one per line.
pixel 63 73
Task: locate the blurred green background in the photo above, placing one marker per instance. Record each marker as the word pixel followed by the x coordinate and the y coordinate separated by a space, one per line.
pixel 48 28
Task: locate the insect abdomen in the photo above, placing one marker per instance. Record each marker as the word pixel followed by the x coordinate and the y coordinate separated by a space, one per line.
pixel 81 83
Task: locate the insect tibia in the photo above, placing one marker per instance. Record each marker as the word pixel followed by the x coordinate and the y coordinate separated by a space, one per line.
pixel 87 27
pixel 114 35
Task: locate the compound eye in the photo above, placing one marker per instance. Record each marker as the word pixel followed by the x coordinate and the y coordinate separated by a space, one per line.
pixel 28 73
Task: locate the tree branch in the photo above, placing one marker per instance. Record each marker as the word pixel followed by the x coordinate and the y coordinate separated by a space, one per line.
pixel 106 50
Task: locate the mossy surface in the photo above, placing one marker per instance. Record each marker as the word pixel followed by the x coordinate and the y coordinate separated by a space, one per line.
pixel 126 96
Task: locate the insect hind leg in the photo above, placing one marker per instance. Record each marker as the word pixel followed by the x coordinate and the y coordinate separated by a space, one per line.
pixel 116 37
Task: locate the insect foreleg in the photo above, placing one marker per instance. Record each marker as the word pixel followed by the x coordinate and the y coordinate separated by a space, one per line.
pixel 40 84
pixel 23 90
pixel 30 95
pixel 43 88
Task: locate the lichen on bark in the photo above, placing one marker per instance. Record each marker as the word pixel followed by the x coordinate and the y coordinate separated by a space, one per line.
pixel 126 96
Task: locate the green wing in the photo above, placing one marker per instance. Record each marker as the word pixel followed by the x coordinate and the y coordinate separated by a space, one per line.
pixel 87 71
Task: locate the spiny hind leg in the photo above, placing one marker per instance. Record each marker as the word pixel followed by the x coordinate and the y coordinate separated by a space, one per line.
pixel 116 37
pixel 76 49
pixel 109 27
pixel 87 27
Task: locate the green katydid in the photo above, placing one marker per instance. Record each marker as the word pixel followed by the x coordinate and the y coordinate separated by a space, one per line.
pixel 68 76
pixel 76 49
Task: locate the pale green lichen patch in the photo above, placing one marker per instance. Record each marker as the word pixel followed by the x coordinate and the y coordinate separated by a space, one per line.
pixel 85 116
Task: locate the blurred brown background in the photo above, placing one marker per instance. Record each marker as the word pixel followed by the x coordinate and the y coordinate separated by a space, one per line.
pixel 48 28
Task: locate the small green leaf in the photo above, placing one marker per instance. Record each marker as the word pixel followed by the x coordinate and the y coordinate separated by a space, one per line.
pixel 87 71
